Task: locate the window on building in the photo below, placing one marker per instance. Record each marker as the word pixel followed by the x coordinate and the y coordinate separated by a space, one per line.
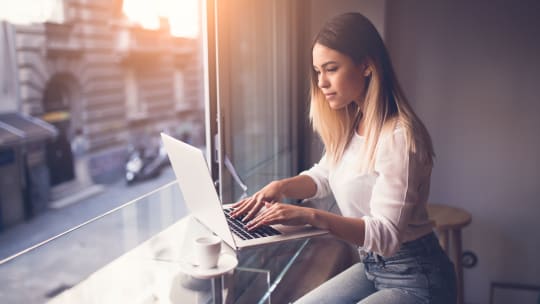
pixel 180 90
pixel 134 105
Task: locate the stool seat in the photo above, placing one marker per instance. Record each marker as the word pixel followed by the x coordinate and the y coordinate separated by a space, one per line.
pixel 448 223
pixel 446 217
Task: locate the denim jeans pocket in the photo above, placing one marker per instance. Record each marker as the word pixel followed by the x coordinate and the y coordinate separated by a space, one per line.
pixel 404 273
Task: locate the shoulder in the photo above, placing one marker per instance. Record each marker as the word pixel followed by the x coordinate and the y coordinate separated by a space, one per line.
pixel 392 143
pixel 399 139
pixel 392 130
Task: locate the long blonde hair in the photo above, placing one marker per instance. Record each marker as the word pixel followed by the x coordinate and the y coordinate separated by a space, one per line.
pixel 384 105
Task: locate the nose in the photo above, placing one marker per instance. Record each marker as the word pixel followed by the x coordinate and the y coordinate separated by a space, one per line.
pixel 322 81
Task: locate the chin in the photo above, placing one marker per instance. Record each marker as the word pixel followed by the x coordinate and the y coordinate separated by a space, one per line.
pixel 337 105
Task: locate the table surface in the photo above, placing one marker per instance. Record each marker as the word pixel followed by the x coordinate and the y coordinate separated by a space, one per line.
pixel 132 255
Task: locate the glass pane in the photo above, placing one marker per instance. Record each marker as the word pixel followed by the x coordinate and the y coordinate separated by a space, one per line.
pixel 257 68
pixel 97 82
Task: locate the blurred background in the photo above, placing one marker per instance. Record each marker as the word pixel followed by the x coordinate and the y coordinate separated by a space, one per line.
pixel 84 85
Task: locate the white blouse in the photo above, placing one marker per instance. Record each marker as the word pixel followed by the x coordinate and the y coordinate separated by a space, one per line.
pixel 391 200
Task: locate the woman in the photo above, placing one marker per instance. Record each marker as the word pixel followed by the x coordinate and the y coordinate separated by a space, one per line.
pixel 377 164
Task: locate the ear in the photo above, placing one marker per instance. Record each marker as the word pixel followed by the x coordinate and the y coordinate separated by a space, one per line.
pixel 367 70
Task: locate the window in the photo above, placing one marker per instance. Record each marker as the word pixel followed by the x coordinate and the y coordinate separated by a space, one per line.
pixel 135 107
pixel 104 70
pixel 258 69
pixel 179 90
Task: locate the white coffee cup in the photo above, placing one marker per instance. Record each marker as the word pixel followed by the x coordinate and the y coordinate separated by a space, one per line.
pixel 206 251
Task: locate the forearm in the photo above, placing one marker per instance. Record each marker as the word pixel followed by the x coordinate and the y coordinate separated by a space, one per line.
pixel 346 228
pixel 298 187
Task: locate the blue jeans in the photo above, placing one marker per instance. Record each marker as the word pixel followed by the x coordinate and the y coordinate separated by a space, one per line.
pixel 420 272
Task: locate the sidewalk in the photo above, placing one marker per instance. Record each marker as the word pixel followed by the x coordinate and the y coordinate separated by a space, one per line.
pixel 57 220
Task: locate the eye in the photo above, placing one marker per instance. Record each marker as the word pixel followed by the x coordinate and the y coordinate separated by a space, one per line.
pixel 332 69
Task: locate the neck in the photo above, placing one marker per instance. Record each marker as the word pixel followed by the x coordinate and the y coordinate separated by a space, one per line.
pixel 359 124
pixel 360 129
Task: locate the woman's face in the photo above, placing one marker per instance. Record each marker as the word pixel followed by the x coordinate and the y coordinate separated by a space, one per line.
pixel 339 78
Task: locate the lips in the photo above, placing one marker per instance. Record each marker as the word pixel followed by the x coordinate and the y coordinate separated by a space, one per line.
pixel 330 95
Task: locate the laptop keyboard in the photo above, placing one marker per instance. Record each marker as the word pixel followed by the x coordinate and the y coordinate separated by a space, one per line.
pixel 239 228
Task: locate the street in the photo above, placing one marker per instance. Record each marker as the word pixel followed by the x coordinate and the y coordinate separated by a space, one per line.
pixel 45 271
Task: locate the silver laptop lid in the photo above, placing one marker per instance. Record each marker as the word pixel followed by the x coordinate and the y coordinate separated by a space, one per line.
pixel 197 188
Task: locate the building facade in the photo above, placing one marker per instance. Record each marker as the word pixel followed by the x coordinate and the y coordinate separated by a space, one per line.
pixel 99 78
pixel 88 84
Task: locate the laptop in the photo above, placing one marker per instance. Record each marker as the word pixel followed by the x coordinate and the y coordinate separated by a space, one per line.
pixel 202 201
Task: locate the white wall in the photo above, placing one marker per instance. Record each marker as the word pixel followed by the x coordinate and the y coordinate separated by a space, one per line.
pixel 471 68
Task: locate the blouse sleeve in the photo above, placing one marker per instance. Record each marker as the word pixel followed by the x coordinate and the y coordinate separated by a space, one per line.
pixel 319 174
pixel 394 195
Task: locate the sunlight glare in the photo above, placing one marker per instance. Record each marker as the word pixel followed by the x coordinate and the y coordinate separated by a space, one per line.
pixel 182 15
pixel 142 13
pixel 27 11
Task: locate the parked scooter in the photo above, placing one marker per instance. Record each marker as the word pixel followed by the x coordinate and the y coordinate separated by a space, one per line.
pixel 144 163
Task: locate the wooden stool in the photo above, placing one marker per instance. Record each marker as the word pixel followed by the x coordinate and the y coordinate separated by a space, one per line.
pixel 448 222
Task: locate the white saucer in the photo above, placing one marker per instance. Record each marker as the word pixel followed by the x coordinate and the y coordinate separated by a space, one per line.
pixel 225 264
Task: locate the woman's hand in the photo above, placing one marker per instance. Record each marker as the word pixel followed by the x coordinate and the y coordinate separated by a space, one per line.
pixel 252 205
pixel 279 213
